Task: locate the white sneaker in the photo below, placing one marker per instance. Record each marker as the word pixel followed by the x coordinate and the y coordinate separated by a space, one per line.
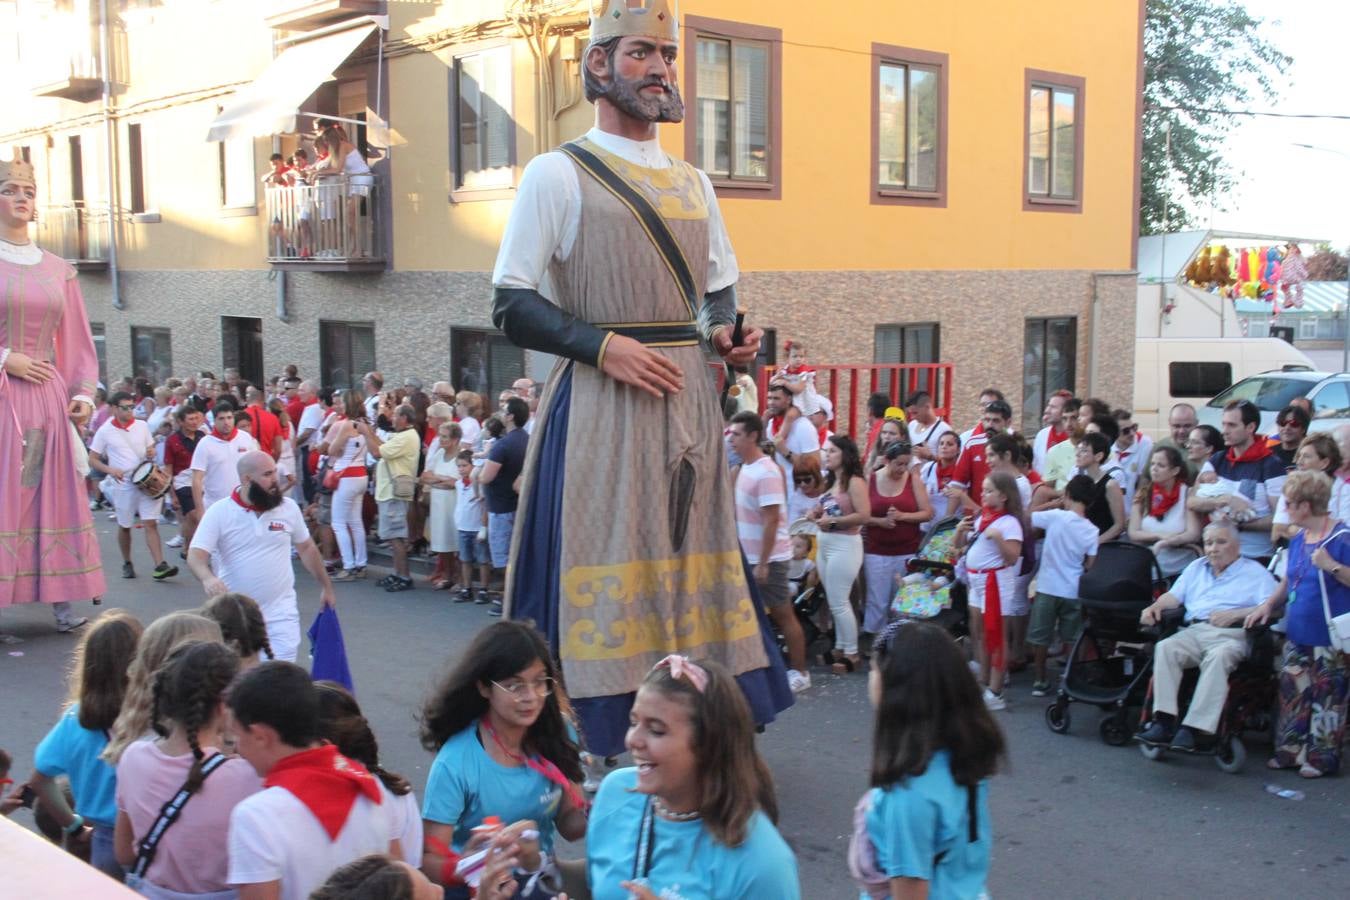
pixel 175 541
pixel 994 701
pixel 798 681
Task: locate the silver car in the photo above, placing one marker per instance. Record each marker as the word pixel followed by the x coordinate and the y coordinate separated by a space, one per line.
pixel 1328 392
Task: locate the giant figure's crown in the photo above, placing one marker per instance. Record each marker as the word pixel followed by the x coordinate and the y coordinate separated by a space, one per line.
pixel 652 18
pixel 17 170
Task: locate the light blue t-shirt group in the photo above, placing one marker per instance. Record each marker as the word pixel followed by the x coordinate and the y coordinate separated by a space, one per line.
pixel 72 750
pixel 687 862
pixel 466 785
pixel 920 828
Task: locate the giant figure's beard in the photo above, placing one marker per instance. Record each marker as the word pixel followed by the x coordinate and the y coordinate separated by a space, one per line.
pixel 627 96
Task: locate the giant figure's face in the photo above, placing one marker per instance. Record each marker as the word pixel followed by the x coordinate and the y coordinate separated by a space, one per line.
pixel 18 200
pixel 642 80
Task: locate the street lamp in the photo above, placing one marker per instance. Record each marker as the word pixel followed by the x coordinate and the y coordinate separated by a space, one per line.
pixel 1345 351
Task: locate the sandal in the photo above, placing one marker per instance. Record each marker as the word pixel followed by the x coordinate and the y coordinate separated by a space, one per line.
pixel 842 664
pixel 1275 764
pixel 1307 771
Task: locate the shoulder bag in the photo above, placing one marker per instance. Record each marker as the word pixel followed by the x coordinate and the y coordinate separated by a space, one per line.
pixel 1338 627
pixel 168 814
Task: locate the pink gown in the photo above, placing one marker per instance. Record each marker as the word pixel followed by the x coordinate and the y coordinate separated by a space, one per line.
pixel 48 550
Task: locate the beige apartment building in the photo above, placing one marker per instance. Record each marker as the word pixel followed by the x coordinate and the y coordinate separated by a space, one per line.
pixel 900 189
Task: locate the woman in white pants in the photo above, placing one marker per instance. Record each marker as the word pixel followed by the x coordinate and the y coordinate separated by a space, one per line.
pixel 840 515
pixel 347 456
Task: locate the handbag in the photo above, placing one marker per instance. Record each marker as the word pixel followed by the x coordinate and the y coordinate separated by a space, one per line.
pixel 331 478
pixel 1338 627
pixel 404 487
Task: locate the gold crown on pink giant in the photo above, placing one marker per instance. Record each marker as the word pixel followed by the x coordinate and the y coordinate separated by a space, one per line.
pixel 17 170
pixel 649 18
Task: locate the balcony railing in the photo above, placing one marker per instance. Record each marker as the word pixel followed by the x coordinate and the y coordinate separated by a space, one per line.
pixel 305 15
pixel 61 56
pixel 333 225
pixel 76 233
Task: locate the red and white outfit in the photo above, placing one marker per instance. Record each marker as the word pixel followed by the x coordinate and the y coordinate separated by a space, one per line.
pixel 992 581
pixel 125 447
pixel 1133 460
pixel 318 811
pixel 251 552
pixel 1046 439
pixel 218 459
pixel 973 465
pixel 921 435
pixel 348 499
pixel 802 438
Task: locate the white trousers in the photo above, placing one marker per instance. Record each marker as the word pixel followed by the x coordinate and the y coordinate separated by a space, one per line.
pixel 348 525
pixel 839 560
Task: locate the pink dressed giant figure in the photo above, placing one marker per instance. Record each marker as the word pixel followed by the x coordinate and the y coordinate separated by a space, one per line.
pixel 48 372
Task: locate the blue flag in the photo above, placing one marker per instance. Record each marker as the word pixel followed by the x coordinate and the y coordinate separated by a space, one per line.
pixel 329 653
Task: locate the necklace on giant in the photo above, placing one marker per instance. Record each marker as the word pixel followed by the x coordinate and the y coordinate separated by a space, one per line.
pixel 26 243
pixel 665 812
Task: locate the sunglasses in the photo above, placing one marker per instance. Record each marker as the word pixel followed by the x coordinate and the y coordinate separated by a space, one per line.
pixel 1129 429
pixel 803 479
pixel 124 408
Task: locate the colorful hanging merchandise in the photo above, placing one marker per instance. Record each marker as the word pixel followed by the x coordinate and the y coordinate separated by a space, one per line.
pixel 1293 273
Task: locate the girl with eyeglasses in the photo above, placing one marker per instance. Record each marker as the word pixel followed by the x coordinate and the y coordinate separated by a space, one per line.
pixel 504 749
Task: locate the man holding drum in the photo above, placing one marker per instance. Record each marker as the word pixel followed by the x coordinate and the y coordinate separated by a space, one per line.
pixel 121 446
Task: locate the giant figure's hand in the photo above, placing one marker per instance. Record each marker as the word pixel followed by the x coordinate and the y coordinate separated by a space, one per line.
pixel 628 361
pixel 744 353
pixel 21 365
pixel 79 413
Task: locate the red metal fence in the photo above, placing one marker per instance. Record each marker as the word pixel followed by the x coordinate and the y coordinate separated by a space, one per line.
pixel 855 383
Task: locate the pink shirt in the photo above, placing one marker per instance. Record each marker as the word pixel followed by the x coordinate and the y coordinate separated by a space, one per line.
pixel 192 857
pixel 758 485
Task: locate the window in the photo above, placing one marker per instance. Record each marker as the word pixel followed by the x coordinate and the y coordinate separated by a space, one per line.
pixel 151 353
pixel 916 343
pixel 484 362
pixel 346 352
pixel 100 335
pixel 734 86
pixel 909 126
pixel 1332 401
pixel 1049 365
pixel 768 349
pixel 484 138
pixel 135 170
pixel 238 177
pixel 241 346
pixel 1054 141
pixel 1199 379
pixel 1307 328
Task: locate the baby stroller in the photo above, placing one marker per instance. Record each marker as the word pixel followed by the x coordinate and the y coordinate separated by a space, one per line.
pixel 943 605
pixel 1112 660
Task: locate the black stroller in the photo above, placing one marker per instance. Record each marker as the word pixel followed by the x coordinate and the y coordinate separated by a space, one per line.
pixel 1112 661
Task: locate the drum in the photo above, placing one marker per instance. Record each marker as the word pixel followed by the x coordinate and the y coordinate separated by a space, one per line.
pixel 152 479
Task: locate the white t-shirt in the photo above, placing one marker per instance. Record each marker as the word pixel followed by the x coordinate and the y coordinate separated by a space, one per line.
pixel 219 459
pixel 1068 538
pixel 927 435
pixel 405 814
pixel 125 448
pixel 802 438
pixel 468 506
pixel 1134 461
pixel 984 553
pixel 546 217
pixel 468 430
pixel 310 420
pixel 274 837
pixel 252 552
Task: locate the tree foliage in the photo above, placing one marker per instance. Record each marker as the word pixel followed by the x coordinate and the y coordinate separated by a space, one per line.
pixel 1205 56
pixel 1326 265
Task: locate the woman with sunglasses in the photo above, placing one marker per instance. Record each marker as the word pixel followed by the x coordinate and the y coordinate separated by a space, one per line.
pixel 505 751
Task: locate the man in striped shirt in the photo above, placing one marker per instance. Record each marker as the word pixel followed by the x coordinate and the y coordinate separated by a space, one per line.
pixel 761 525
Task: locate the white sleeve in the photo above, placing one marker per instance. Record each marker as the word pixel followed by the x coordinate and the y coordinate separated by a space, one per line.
pixel 543 222
pixel 723 270
pixel 199 457
pixel 207 535
pixel 1281 512
pixel 99 444
pixel 254 849
pixel 296 519
pixel 1207 467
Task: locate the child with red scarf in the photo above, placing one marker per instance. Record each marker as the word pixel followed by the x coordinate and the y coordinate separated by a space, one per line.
pixel 318 809
pixel 1069 550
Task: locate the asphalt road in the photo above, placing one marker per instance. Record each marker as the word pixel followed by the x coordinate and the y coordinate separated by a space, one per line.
pixel 1072 816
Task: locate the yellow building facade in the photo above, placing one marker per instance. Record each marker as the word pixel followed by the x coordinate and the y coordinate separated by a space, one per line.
pixel 902 182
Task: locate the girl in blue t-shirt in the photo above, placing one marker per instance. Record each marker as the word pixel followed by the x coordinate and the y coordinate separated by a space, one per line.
pixel 923 829
pixel 504 752
pixel 73 746
pixel 694 819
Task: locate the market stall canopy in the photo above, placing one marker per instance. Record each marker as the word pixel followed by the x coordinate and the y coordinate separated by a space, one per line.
pixel 1164 257
pixel 1325 298
pixel 269 105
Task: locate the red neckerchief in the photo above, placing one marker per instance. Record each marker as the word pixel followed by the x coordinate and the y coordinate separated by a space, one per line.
pixel 989 517
pixel 544 767
pixel 822 434
pixel 945 473
pixel 1055 437
pixel 1258 451
pixel 126 427
pixel 239 498
pixel 1160 501
pixel 233 433
pixel 778 421
pixel 327 782
pixel 467 481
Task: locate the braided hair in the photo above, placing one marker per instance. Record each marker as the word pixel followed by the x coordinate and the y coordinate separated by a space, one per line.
pixel 341 724
pixel 241 623
pixel 188 689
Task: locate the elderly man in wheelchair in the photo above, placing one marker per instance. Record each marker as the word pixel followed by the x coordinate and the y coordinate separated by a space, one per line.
pixel 1212 597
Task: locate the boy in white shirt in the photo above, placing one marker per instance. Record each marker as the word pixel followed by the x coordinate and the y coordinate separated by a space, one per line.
pixel 318 809
pixel 121 444
pixel 470 520
pixel 1069 550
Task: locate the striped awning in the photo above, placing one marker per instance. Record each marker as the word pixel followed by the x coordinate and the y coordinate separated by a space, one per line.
pixel 1320 298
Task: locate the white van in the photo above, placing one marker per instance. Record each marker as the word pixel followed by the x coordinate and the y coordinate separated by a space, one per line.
pixel 1168 371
